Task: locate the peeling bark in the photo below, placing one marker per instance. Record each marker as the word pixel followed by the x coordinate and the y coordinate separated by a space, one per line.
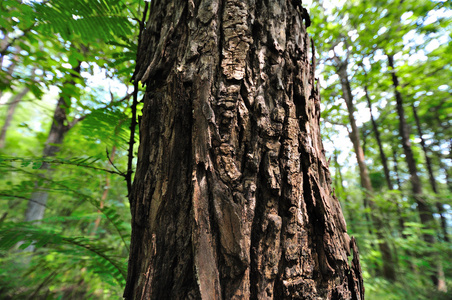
pixel 232 196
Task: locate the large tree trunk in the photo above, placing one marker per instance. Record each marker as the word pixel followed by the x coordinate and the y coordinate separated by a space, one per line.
pixel 385 250
pixel 232 197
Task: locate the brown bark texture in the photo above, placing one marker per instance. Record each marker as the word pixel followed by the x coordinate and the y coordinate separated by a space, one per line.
pixel 232 197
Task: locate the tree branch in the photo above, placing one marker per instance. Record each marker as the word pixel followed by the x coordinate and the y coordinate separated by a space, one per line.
pixel 59 162
pixel 133 122
pixel 111 162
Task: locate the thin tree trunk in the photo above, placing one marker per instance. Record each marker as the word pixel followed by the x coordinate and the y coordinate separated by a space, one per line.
pixel 3 43
pixel 447 170
pixel 60 126
pixel 232 196
pixel 340 189
pixel 439 205
pixel 105 192
pixel 12 105
pixel 388 261
pixel 425 213
pixel 384 160
pixel 396 169
pixel 399 187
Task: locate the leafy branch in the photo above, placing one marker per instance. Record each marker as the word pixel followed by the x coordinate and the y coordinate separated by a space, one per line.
pixel 133 122
pixel 110 213
pixel 79 162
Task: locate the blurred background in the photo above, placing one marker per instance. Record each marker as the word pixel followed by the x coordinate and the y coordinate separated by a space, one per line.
pixel 66 101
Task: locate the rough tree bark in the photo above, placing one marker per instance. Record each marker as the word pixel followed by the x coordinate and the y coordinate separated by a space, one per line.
pixel 385 250
pixel 232 196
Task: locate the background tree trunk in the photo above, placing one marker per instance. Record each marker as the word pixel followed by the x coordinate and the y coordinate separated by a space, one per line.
pixel 12 105
pixel 425 213
pixel 232 196
pixel 60 126
pixel 384 160
pixel 431 177
pixel 399 188
pixel 354 134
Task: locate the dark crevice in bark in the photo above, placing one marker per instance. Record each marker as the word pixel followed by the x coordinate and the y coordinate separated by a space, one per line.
pixel 256 232
pixel 221 40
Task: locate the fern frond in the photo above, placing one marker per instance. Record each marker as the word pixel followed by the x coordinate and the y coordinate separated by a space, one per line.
pixel 12 234
pixel 91 20
pixel 100 123
pixel 109 212
pixel 36 162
